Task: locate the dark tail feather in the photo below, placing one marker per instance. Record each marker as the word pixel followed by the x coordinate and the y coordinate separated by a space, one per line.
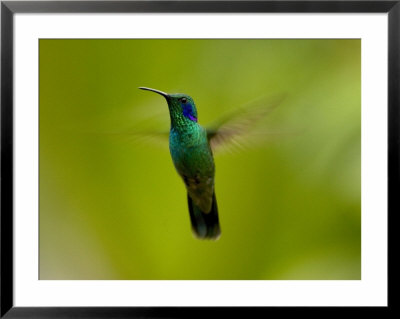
pixel 204 225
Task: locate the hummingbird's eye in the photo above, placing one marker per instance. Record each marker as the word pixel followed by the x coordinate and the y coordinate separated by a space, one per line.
pixel 183 100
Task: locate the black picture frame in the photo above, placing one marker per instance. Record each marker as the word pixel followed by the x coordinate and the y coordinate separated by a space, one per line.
pixel 9 8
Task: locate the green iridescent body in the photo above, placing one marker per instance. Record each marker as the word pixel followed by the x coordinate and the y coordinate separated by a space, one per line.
pixel 193 160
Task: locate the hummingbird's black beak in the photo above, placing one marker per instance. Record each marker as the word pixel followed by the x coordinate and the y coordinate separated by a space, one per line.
pixel 156 91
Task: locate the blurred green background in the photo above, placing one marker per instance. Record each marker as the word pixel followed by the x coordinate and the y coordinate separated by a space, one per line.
pixel 114 208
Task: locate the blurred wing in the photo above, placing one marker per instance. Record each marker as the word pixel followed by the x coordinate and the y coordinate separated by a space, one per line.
pixel 145 131
pixel 236 131
pixel 145 137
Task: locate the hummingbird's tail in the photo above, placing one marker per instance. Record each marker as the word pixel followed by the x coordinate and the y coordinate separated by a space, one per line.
pixel 204 225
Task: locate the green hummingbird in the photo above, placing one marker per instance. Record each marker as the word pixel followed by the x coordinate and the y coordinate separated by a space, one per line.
pixel 193 160
pixel 191 147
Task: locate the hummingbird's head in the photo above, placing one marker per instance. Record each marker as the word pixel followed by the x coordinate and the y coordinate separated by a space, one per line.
pixel 181 106
pixel 184 105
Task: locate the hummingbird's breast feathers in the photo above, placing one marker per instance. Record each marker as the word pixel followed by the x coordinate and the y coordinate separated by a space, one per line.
pixel 188 135
pixel 191 154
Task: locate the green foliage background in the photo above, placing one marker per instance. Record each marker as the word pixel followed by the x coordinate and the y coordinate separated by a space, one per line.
pixel 113 208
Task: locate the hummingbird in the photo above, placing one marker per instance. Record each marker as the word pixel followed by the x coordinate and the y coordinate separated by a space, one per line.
pixel 193 160
pixel 191 147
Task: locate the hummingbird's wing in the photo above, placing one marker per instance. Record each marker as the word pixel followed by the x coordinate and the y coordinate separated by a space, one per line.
pixel 237 130
pixel 145 137
pixel 146 130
